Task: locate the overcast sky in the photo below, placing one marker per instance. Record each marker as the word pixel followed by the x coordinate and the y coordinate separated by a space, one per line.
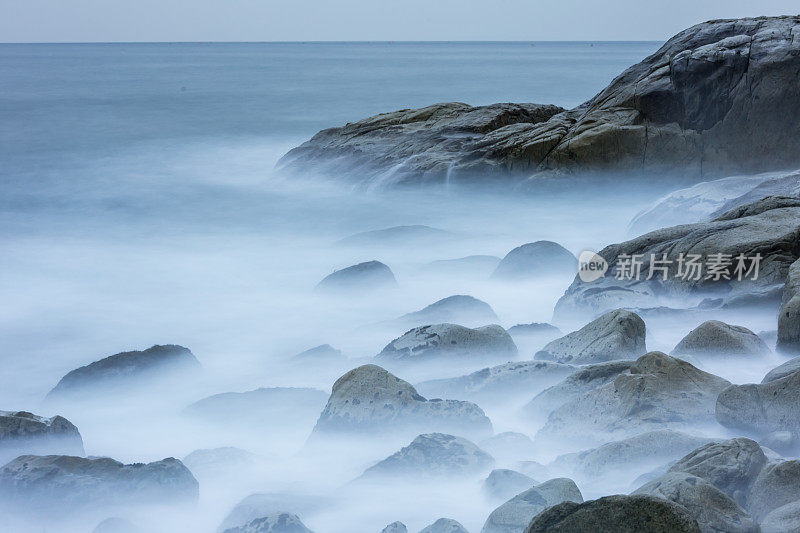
pixel 364 20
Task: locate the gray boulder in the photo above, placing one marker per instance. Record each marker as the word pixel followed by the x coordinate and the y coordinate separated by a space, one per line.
pixel 415 234
pixel 260 505
pixel 370 400
pixel 764 408
pixel 621 514
pixel 514 515
pixel 714 338
pixel 458 308
pixel 127 369
pixel 770 227
pixel 575 385
pixel 658 392
pixel 536 260
pixel 782 519
pixel 264 406
pixel 395 527
pixel 433 454
pixel 66 483
pixel 445 525
pixel 789 317
pixel 731 466
pixel 789 367
pixel 370 275
pixel 617 334
pixel 439 341
pixel 23 433
pixel 499 383
pixel 502 484
pixel 777 484
pixel 274 523
pixel 696 104
pixel 714 511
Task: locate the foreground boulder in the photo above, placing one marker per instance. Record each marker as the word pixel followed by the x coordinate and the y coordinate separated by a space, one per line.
pixel 264 406
pixel 23 433
pixel 771 226
pixel 274 523
pixel 621 514
pixel 65 483
pixel 538 259
pixel 789 317
pixel 658 392
pixel 370 400
pixel 458 308
pixel 445 525
pixel 618 334
pixel 696 104
pixel 433 454
pixel 713 509
pixel 449 341
pixel 127 369
pixel 514 515
pixel 369 275
pixel 718 339
pixel 499 383
pixel 762 409
pixel 778 484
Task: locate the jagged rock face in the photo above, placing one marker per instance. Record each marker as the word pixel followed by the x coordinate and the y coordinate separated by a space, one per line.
pixel 638 452
pixel 616 335
pixel 368 399
pixel 778 484
pixel 449 341
pixel 499 383
pixel 575 385
pixel 715 338
pixel 22 432
pixel 658 392
pixel 458 308
pixel 789 367
pixel 66 483
pixel 717 98
pixel 127 369
pixel 502 484
pixel 782 519
pixel 714 511
pixel 433 454
pixel 621 514
pixel 370 275
pixel 445 525
pixel 275 523
pixel 395 527
pixel 514 515
pixel 789 317
pixel 535 260
pixel 764 408
pixel 731 466
pixel 769 227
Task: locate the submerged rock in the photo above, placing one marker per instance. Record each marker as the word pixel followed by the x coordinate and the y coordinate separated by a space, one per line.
pixel 369 275
pixel 65 483
pixel 713 510
pixel 715 338
pixel 621 514
pixel 499 383
pixel 764 408
pixel 370 400
pixel 433 454
pixel 445 525
pixel 127 369
pixel 616 335
pixel 449 341
pixel 538 259
pixel 514 515
pixel 658 392
pixel 503 484
pixel 789 317
pixel 23 433
pixel 458 308
pixel 268 406
pixel 274 523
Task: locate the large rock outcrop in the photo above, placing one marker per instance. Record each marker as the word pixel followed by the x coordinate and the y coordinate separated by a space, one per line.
pixel 370 400
pixel 789 317
pixel 719 97
pixel 23 433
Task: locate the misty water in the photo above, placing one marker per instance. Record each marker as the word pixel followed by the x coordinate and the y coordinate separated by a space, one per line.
pixel 140 205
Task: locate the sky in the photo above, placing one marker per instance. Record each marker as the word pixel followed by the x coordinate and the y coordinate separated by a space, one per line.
pixel 364 20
